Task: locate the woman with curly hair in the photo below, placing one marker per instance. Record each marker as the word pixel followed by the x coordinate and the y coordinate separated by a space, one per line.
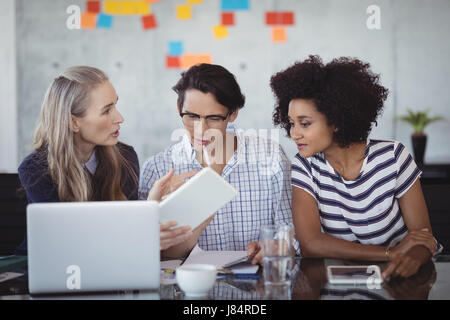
pixel 353 197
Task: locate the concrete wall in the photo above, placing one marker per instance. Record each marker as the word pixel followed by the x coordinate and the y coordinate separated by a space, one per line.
pixel 410 52
pixel 8 104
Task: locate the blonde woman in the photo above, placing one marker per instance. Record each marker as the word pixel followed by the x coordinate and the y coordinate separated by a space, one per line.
pixel 77 154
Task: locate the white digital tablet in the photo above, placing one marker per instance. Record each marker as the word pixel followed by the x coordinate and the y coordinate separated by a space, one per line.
pixel 197 199
pixel 369 275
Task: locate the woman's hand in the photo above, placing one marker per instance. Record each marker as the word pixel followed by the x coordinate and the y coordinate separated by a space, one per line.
pixel 407 264
pixel 168 184
pixel 169 237
pixel 414 238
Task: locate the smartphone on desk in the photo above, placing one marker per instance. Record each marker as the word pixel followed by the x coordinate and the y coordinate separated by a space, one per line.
pixel 354 275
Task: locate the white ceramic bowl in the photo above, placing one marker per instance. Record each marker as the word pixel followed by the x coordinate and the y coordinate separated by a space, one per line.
pixel 196 279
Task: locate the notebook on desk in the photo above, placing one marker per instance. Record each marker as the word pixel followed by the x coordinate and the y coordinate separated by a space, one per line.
pixel 232 260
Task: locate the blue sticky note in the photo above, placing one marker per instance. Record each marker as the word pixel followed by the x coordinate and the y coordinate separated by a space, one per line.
pixel 175 48
pixel 104 21
pixel 228 5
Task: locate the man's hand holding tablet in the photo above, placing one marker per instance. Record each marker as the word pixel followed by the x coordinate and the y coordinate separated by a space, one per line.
pixel 169 235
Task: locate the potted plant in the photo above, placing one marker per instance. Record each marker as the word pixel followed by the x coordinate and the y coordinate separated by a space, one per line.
pixel 419 120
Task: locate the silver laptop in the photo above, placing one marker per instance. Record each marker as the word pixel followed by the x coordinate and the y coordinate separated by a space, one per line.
pixel 93 246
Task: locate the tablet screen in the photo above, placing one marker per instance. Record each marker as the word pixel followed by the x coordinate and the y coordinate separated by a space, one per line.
pixel 197 199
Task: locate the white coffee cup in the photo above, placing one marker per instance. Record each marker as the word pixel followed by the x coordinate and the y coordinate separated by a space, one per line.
pixel 196 279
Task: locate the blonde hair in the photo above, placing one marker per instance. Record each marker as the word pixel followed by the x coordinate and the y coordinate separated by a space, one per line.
pixel 69 95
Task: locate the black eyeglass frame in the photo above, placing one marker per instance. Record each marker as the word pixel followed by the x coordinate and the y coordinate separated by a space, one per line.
pixel 223 118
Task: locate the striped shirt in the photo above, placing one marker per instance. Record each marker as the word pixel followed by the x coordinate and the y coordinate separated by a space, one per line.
pixel 365 210
pixel 260 172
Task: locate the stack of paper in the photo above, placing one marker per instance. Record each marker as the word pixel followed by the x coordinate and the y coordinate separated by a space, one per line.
pixel 221 259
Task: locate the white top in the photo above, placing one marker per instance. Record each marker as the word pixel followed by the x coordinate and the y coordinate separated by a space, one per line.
pixel 365 210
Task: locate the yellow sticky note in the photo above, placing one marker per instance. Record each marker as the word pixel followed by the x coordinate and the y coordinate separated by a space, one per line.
pixel 127 7
pixel 188 60
pixel 279 34
pixel 220 31
pixel 184 11
pixel 142 8
pixel 112 7
pixel 195 1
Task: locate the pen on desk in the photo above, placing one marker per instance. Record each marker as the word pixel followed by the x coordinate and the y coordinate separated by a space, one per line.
pixel 205 154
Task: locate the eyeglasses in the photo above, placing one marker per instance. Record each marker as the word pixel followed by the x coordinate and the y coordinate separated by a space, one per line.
pixel 212 121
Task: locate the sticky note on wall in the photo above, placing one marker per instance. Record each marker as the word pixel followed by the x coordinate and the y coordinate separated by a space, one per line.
pixel 228 18
pixel 279 34
pixel 220 31
pixel 112 7
pixel 126 7
pixel 175 48
pixel 142 7
pixel 104 21
pixel 287 18
pixel 195 1
pixel 93 6
pixel 149 22
pixel 274 18
pixel 172 62
pixel 235 5
pixel 88 20
pixel 189 60
pixel 184 11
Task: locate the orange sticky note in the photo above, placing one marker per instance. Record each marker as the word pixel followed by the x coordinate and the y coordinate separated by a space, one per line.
pixel 88 20
pixel 228 18
pixel 188 60
pixel 195 1
pixel 172 62
pixel 220 31
pixel 273 18
pixel 184 11
pixel 149 22
pixel 279 34
pixel 287 18
pixel 93 6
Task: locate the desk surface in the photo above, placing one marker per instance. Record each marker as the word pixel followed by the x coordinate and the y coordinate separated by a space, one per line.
pixel 309 282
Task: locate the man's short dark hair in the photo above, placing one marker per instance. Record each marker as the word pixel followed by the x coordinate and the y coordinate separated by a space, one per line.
pixel 214 79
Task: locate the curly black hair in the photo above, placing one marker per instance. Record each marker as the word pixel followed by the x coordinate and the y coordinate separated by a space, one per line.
pixel 344 90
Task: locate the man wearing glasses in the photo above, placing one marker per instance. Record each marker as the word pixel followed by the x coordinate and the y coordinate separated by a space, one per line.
pixel 209 99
